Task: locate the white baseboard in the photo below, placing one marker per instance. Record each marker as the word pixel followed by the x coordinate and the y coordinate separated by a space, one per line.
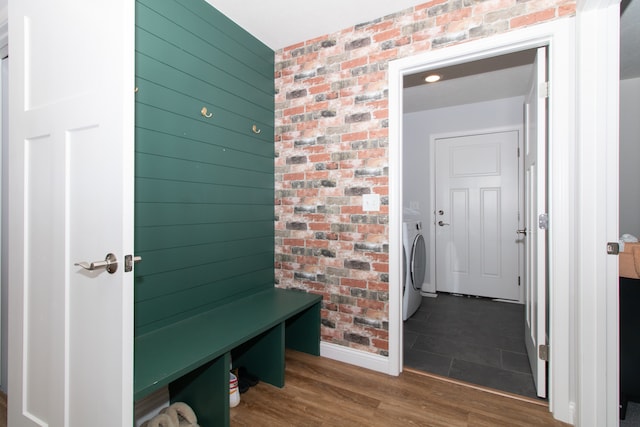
pixel 359 358
pixel 428 294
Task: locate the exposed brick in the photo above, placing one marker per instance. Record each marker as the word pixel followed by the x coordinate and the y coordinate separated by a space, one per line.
pixel 305 75
pixel 296 160
pixel 296 226
pixel 328 323
pixel 357 265
pixel 297 94
pixel 533 18
pixel 357 44
pixel 343 299
pixel 359 117
pixel 355 338
pixel 357 191
pixel 371 96
pixel 367 322
pixel 331 147
pixel 304 276
pixel 448 39
pixel 368 247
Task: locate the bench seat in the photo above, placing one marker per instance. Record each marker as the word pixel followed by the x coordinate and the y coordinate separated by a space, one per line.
pixel 192 356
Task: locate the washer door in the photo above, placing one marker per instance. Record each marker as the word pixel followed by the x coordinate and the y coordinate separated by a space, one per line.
pixel 404 269
pixel 418 262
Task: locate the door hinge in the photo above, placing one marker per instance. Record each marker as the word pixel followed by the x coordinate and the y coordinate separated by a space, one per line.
pixel 543 90
pixel 543 352
pixel 518 280
pixel 543 221
pixel 129 260
pixel 613 248
pixel 518 151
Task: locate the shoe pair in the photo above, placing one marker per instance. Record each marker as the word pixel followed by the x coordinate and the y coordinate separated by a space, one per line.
pixel 178 414
pixel 246 380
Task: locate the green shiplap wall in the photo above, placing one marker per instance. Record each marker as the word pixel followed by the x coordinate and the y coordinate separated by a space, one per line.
pixel 204 186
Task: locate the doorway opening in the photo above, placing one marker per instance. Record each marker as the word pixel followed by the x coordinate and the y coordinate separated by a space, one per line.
pixel 465 140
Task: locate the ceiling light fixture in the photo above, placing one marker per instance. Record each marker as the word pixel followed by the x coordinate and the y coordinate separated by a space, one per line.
pixel 432 78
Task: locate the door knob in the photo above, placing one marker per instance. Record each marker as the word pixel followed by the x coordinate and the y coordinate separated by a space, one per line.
pixel 523 231
pixel 110 264
pixel 442 223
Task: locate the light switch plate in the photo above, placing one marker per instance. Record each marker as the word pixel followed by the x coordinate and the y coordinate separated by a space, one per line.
pixel 371 202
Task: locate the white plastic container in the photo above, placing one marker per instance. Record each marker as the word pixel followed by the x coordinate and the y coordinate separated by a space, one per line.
pixel 234 393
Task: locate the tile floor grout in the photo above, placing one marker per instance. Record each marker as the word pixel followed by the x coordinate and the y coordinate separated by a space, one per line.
pixel 424 323
pixel 460 360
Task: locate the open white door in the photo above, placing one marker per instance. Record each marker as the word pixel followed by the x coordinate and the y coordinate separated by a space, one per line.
pixel 70 200
pixel 535 145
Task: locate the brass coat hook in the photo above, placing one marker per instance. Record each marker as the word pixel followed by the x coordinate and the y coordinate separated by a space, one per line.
pixel 255 129
pixel 205 113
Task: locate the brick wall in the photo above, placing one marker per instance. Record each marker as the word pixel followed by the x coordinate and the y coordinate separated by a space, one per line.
pixel 331 149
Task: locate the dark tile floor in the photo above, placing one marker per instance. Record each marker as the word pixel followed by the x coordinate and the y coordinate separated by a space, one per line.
pixel 470 339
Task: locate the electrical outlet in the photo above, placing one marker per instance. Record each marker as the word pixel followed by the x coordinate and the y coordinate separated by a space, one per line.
pixel 371 202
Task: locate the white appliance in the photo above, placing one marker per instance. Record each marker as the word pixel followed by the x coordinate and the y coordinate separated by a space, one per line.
pixel 414 254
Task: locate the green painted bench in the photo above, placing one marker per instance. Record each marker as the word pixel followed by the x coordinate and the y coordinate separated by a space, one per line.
pixel 193 356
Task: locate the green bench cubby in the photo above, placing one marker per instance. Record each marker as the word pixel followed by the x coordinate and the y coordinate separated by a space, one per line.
pixel 193 356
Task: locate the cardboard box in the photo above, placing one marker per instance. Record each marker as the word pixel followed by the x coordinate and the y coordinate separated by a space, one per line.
pixel 630 261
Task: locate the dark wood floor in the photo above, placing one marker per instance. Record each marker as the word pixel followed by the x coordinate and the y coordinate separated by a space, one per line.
pixel 323 392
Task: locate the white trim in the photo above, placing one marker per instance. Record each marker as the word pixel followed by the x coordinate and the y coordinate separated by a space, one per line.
pixel 559 36
pixel 597 205
pixel 354 357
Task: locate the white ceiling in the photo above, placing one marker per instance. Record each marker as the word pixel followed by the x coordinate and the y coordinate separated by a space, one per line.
pixel 282 23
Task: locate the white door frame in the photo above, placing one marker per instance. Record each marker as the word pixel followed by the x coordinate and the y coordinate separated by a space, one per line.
pixel 432 191
pixel 596 307
pixel 559 36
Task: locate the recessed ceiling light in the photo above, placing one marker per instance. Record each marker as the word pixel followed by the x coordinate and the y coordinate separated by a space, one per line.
pixel 432 78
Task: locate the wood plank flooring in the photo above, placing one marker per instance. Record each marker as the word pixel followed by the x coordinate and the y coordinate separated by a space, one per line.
pixel 323 392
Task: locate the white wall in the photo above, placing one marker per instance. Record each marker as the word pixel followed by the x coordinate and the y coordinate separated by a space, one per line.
pixel 4 283
pixel 417 130
pixel 630 156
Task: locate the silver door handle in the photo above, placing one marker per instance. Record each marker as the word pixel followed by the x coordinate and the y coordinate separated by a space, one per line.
pixel 110 264
pixel 442 223
pixel 523 231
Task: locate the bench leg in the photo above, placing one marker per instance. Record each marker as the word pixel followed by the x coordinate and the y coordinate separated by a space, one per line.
pixel 303 331
pixel 263 356
pixel 206 390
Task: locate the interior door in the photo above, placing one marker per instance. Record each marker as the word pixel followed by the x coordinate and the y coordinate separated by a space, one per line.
pixel 477 214
pixel 535 145
pixel 70 200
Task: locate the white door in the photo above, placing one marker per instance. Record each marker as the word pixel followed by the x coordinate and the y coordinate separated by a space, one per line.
pixel 535 169
pixel 476 215
pixel 70 200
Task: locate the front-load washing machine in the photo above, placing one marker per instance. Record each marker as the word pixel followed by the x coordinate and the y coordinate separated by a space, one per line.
pixel 414 254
